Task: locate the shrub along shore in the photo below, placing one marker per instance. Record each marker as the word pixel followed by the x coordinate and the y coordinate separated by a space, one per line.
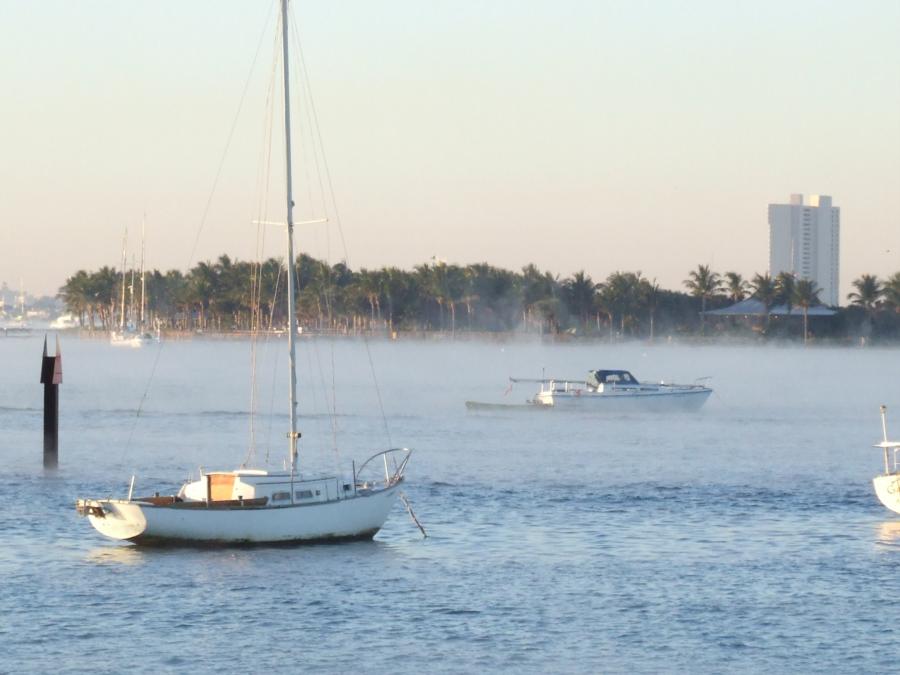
pixel 235 297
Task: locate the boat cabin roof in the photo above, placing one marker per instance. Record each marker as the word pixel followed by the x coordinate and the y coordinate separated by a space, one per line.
pixel 245 473
pixel 613 377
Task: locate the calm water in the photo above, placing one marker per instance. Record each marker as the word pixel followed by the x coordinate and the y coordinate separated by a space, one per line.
pixel 743 538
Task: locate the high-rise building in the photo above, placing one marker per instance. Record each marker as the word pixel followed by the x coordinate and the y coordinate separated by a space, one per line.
pixel 804 239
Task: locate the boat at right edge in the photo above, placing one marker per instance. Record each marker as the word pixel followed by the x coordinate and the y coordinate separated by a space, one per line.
pixel 887 485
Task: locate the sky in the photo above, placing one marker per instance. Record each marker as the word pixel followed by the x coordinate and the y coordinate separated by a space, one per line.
pixel 574 134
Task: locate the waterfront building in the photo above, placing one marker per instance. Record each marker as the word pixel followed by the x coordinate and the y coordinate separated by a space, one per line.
pixel 804 240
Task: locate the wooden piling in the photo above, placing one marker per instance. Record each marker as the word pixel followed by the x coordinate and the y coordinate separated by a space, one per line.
pixel 51 378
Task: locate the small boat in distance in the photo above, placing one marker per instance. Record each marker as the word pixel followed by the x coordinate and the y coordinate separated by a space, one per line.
pixel 132 339
pixel 887 485
pixel 610 390
pixel 129 334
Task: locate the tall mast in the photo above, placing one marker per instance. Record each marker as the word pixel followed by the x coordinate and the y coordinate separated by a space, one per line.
pixel 131 294
pixel 292 312
pixel 124 264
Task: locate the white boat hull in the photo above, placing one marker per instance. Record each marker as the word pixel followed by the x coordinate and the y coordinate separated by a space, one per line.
pixel 357 517
pixel 134 341
pixel 887 487
pixel 624 401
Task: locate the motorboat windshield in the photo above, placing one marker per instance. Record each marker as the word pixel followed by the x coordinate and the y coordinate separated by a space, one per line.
pixel 616 377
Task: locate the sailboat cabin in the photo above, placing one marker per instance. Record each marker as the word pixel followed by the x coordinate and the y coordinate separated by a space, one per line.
pixel 257 488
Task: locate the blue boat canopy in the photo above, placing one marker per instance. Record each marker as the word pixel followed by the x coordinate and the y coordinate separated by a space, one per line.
pixel 598 377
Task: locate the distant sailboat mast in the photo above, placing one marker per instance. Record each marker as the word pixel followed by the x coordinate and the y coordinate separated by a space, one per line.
pixel 124 264
pixel 131 295
pixel 293 435
pixel 143 283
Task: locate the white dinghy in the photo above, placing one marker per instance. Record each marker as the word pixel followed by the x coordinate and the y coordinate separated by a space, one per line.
pixel 257 506
pixel 887 485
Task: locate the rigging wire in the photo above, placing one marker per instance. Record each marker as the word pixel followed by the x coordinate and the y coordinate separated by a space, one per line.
pixel 237 115
pixel 333 200
pixel 203 218
pixel 275 362
pixel 263 185
pixel 140 407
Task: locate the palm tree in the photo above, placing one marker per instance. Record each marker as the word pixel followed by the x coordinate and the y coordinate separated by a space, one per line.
pixel 867 294
pixel 579 292
pixel 549 310
pixel 368 286
pixel 764 290
pixel 534 287
pixel 430 280
pixel 703 284
pixel 624 292
pixel 102 288
pixel 203 288
pixel 649 292
pixel 398 288
pixel 736 286
pixel 498 292
pixel 892 292
pixel 456 286
pixel 605 304
pixel 805 295
pixel 785 284
pixel 75 294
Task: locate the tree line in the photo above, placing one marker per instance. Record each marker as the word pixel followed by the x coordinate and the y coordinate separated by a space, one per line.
pixel 231 294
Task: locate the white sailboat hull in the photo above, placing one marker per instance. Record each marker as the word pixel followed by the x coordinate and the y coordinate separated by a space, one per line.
pixel 887 487
pixel 357 517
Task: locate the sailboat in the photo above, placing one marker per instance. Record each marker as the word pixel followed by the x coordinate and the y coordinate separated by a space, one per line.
pixel 887 485
pixel 19 324
pixel 128 334
pixel 254 505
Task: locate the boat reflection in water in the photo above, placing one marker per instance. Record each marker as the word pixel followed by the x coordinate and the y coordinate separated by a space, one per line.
pixel 889 533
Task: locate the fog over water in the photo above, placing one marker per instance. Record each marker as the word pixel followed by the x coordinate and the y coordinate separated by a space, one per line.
pixel 741 538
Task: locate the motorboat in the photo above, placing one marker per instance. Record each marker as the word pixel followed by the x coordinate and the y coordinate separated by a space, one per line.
pixel 887 485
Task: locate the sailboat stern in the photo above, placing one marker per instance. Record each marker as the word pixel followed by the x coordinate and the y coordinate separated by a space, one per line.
pixel 114 518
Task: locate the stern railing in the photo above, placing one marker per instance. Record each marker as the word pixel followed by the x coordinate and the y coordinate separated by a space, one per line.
pixel 389 473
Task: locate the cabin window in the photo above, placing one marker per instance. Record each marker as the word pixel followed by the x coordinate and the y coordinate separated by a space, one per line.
pixel 303 494
pixel 280 496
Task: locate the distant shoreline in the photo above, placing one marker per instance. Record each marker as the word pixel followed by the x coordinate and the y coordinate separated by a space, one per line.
pixel 480 336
